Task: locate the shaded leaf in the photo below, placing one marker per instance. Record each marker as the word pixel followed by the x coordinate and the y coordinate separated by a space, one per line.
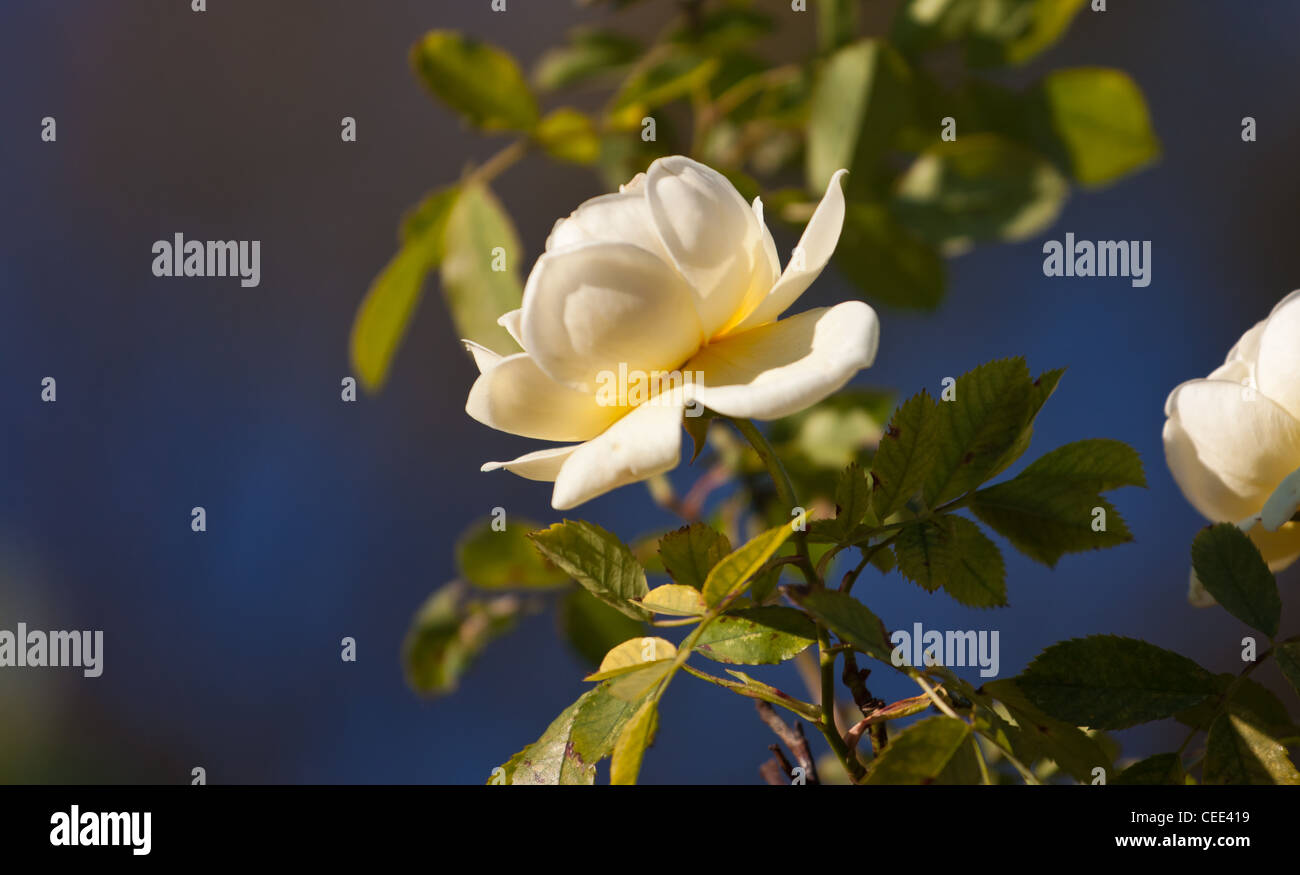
pixel 887 262
pixel 691 552
pixel 448 633
pixel 1163 768
pixel 952 552
pixel 1110 682
pixel 492 559
pixel 1232 570
pixel 927 752
pixel 1240 751
pixel 591 53
pixel 976 427
pixel 979 187
pixel 592 627
pixel 848 618
pixel 1044 737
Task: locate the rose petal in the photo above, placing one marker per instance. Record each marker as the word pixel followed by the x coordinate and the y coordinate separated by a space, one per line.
pixel 1227 454
pixel 646 442
pixel 594 306
pixel 1278 368
pixel 711 234
pixel 783 367
pixel 484 358
pixel 611 218
pixel 811 255
pixel 1280 548
pixel 517 397
pixel 510 322
pixel 541 465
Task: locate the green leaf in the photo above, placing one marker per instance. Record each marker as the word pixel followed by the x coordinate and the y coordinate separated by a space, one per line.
pixel 905 455
pixel 859 104
pixel 980 187
pixel 1247 695
pixel 492 559
pixel 852 500
pixel 952 552
pixel 553 759
pixel 1098 465
pixel 591 53
pixel 675 600
pixel 385 311
pixel 637 735
pixel 848 618
pixel 1287 655
pixel 1100 120
pixel 725 29
pixel 690 553
pixel 976 427
pixel 1043 388
pixel 995 32
pixel 890 264
pixel 698 429
pixel 927 752
pixel 1240 751
pixel 676 76
pixel 1110 682
pixel 592 627
pixel 728 577
pixel 480 82
pixel 1045 521
pixel 1163 768
pixel 599 561
pixel 1044 737
pixel 757 636
pixel 479 239
pixel 568 135
pixel 834 432
pixel 1233 571
pixel 837 22
pixel 599 722
pixel 448 633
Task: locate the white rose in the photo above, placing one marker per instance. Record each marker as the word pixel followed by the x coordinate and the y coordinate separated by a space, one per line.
pixel 675 272
pixel 1232 440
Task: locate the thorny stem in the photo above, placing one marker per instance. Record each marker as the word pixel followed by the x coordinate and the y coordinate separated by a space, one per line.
pixel 826 658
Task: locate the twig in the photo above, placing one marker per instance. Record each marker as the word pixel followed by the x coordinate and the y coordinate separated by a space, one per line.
pixel 793 739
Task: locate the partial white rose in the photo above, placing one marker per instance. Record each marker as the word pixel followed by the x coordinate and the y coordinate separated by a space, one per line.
pixel 674 273
pixel 1232 440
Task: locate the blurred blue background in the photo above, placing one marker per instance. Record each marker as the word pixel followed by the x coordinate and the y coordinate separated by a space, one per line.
pixel 328 519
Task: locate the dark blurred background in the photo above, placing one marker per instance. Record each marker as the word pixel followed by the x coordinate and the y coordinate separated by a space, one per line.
pixel 328 519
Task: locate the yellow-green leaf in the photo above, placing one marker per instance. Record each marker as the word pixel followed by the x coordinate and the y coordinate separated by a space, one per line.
pixel 630 748
pixel 728 577
pixel 479 81
pixel 569 135
pixel 386 310
pixel 480 269
pixel 676 600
